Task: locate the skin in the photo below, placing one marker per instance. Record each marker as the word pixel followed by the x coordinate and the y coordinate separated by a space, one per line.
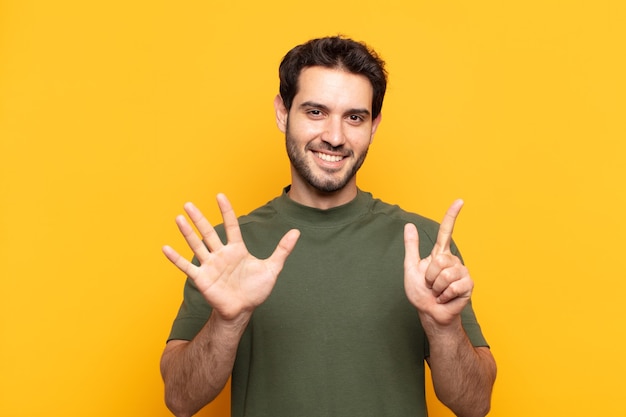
pixel 439 286
pixel 234 283
pixel 328 132
pixel 330 117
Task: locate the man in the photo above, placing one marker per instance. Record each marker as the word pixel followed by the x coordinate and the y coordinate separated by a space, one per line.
pixel 340 323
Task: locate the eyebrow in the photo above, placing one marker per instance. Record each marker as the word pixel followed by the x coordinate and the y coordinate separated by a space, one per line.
pixel 363 112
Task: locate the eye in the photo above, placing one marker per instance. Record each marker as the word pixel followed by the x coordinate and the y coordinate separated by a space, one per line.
pixel 355 118
pixel 315 113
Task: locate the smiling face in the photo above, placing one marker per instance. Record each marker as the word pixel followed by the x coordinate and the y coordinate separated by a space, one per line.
pixel 328 131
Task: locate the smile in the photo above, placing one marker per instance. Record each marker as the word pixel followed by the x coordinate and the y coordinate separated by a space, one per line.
pixel 329 158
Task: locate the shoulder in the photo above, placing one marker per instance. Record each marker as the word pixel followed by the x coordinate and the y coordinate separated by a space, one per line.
pixel 261 214
pixel 427 228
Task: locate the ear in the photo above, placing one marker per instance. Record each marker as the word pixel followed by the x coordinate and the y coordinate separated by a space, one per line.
pixel 281 113
pixel 375 124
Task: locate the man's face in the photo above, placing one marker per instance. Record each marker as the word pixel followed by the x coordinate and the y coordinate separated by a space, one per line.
pixel 329 128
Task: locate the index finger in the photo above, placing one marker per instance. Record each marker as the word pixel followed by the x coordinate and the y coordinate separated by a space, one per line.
pixel 231 224
pixel 444 237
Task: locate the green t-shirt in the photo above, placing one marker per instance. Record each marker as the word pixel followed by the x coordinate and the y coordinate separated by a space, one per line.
pixel 337 336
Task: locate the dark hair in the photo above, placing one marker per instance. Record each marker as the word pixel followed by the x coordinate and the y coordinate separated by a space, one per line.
pixel 333 52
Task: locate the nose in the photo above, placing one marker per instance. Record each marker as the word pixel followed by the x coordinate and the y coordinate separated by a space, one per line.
pixel 333 133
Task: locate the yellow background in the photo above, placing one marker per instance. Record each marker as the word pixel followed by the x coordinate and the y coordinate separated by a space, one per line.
pixel 113 114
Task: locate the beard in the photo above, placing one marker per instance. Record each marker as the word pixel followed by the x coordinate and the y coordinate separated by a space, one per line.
pixel 325 183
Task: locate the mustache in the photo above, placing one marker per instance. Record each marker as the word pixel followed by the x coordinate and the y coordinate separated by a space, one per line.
pixel 325 146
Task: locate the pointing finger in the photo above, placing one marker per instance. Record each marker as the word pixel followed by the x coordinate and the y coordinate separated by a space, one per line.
pixel 231 225
pixel 444 237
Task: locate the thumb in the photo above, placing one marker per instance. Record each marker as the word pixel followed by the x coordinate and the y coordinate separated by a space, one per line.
pixel 411 243
pixel 282 251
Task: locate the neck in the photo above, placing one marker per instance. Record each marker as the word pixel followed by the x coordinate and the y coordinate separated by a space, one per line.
pixel 309 196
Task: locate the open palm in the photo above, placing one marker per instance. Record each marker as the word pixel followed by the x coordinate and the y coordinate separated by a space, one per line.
pixel 229 277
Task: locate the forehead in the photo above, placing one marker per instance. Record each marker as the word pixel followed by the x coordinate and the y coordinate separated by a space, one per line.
pixel 334 87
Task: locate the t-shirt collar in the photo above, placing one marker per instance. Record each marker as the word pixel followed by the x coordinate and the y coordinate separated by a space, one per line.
pixel 311 216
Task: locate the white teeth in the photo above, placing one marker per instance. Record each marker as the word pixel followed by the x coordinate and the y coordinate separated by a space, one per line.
pixel 329 158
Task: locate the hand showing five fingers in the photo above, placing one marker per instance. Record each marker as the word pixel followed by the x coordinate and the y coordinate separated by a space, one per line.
pixel 439 286
pixel 229 277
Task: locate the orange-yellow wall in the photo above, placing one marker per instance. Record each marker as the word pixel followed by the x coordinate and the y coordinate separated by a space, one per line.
pixel 113 114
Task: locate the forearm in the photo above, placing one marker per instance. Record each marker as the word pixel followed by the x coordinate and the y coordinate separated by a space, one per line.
pixel 463 376
pixel 195 372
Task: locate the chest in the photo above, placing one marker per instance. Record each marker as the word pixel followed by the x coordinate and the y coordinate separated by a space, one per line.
pixel 340 284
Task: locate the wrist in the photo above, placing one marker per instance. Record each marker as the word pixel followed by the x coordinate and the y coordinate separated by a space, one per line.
pixel 435 330
pixel 235 324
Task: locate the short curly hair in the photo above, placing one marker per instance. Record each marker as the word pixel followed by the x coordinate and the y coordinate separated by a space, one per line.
pixel 333 52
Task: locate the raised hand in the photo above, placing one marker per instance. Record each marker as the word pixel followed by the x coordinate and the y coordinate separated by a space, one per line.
pixel 229 277
pixel 439 286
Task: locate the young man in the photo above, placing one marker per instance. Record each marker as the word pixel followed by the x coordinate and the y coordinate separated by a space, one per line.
pixel 340 323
